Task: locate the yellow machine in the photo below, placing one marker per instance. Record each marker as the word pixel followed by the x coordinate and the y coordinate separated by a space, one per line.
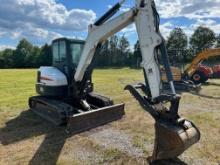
pixel 177 75
pixel 195 72
pixel 200 73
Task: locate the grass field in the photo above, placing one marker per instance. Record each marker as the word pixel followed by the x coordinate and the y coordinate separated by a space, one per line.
pixel 26 139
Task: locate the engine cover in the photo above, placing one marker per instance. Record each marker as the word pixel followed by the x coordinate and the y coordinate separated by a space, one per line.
pixel 51 82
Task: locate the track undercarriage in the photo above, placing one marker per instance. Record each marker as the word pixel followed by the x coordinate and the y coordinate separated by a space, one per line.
pixel 72 114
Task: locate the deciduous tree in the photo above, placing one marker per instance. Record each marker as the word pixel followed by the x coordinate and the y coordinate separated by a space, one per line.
pixel 202 38
pixel 176 45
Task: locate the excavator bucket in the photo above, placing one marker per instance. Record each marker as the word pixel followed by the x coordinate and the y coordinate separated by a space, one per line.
pixel 171 141
pixel 173 135
pixel 94 118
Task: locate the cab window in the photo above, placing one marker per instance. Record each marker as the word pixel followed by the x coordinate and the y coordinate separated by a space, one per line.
pixel 56 52
pixel 76 51
pixel 62 51
pixel 59 51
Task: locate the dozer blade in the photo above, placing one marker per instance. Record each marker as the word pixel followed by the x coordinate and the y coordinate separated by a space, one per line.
pixel 94 118
pixel 171 141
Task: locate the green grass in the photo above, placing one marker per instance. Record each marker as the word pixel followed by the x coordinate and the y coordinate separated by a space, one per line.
pixel 24 137
pixel 16 86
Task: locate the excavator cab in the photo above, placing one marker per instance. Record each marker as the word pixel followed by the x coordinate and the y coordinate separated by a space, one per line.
pixel 66 54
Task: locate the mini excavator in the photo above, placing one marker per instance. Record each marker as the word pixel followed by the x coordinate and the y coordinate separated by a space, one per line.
pixel 66 94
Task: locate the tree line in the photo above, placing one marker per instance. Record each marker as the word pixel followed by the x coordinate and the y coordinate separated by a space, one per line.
pixel 116 51
pixel 26 55
pixel 182 49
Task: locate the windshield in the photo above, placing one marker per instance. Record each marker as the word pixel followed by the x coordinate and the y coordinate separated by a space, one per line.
pixel 76 51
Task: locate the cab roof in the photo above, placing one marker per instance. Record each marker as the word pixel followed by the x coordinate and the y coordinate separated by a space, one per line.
pixel 69 40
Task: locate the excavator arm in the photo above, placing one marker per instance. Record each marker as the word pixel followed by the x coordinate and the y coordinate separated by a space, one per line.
pixel 173 134
pixel 143 15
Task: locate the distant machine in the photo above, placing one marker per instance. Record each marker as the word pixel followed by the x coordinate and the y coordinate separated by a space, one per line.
pixel 196 73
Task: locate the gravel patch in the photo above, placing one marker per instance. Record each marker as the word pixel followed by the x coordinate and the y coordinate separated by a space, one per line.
pixel 83 155
pixel 114 139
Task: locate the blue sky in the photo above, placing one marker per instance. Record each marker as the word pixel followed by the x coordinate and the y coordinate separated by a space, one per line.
pixel 40 21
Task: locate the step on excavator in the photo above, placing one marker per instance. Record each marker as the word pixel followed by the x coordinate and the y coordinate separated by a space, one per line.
pixel 65 89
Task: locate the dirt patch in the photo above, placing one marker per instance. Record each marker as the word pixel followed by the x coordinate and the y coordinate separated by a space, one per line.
pixel 111 138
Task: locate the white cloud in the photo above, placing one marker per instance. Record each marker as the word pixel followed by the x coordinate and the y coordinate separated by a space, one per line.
pixel 166 28
pixel 124 8
pixel 3 47
pixel 44 20
pixel 199 12
pixel 212 24
pixel 192 9
pixel 128 30
pixel 2 33
pixel 43 13
pixel 34 34
pixel 41 19
pixel 168 8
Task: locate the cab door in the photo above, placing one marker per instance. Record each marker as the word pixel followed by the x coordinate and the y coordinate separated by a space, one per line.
pixel 61 57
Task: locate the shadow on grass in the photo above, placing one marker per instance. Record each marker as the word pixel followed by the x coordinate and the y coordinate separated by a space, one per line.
pixel 211 83
pixel 118 67
pixel 179 91
pixel 28 125
pixel 176 161
pixel 206 96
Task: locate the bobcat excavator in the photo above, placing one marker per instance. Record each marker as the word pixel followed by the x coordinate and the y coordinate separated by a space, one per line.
pixel 66 94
